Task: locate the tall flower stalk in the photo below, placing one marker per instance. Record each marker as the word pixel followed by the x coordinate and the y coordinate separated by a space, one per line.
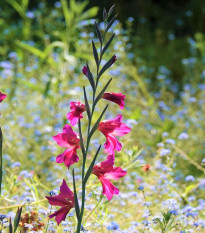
pixel 105 171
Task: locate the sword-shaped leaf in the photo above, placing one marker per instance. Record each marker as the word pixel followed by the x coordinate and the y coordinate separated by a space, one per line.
pixel 17 218
pixel 10 226
pixel 81 138
pixel 104 14
pixel 111 10
pixel 77 208
pixel 97 122
pixel 106 66
pixel 102 92
pixel 90 78
pixel 95 54
pixel 86 104
pixel 107 45
pixel 110 23
pixel 98 33
pixel 88 173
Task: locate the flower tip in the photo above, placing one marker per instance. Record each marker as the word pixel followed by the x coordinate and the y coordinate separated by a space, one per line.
pixel 114 59
pixel 85 70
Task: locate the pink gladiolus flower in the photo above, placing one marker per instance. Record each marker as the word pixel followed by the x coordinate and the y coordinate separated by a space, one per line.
pixel 85 70
pixel 77 108
pixel 71 141
pixel 106 172
pixel 65 199
pixel 2 96
pixel 112 128
pixel 117 98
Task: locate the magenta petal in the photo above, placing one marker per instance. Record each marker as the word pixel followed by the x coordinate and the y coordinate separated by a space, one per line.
pixel 117 98
pixel 60 158
pixel 108 188
pixel 67 129
pixel 73 117
pixel 60 214
pixel 61 139
pixel 68 138
pixel 2 96
pixel 65 190
pixel 122 130
pixel 109 162
pixel 58 200
pixel 112 144
pixel 70 157
pixel 115 174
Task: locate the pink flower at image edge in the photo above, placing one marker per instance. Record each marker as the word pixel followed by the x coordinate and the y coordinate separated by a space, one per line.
pixel 2 96
pixel 111 129
pixel 70 140
pixel 106 172
pixel 65 199
pixel 77 108
pixel 117 98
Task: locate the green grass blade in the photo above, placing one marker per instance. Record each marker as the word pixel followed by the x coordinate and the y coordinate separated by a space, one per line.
pixel 77 208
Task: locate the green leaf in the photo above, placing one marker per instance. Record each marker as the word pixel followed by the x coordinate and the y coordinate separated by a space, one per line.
pixel 104 14
pixel 110 23
pixel 97 122
pixel 86 104
pixel 81 138
pixel 31 49
pixel 10 226
pixel 107 45
pixel 106 66
pixel 190 188
pixel 102 92
pixel 95 54
pixel 67 13
pixel 89 171
pixel 17 219
pixel 77 208
pixel 1 160
pixel 98 33
pixel 111 10
pixel 90 78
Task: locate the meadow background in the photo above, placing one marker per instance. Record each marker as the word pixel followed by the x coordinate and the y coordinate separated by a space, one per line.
pixel 160 67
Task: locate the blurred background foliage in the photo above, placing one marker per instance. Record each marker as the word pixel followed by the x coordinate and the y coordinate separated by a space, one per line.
pixel 159 33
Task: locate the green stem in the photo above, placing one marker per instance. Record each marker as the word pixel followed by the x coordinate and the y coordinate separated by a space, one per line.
pixel 1 160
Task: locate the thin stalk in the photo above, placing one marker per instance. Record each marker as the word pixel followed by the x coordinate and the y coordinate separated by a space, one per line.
pixel 1 160
pixel 21 205
pixel 48 221
pixel 93 210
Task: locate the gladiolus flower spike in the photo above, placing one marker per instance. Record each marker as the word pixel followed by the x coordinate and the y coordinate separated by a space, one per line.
pixel 106 172
pixel 112 128
pixel 70 140
pixel 65 199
